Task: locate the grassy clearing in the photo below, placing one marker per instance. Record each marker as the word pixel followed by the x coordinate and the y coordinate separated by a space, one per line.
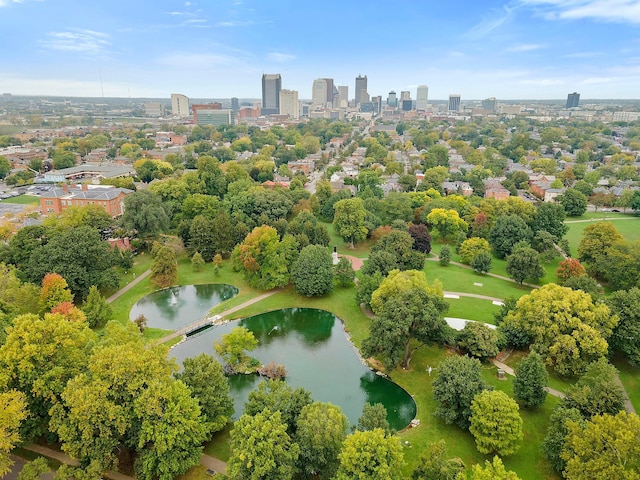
pixel 561 384
pixel 219 446
pixel 629 229
pixel 361 249
pixel 22 200
pixel 630 377
pixel 472 309
pixel 459 279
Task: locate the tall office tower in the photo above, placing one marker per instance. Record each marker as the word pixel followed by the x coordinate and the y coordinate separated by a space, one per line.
pixel 319 92
pixel 405 95
pixel 361 89
pixel 331 90
pixel 271 86
pixel 422 97
pixel 406 105
pixel 235 104
pixel 392 100
pixel 573 99
pixel 343 94
pixel 179 105
pixel 377 100
pixel 289 103
pixel 490 104
pixel 454 102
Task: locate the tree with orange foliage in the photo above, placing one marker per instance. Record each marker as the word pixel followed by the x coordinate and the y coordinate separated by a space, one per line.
pixel 569 268
pixel 54 291
pixel 69 311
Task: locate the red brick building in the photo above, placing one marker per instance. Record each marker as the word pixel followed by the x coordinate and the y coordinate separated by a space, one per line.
pixel 111 199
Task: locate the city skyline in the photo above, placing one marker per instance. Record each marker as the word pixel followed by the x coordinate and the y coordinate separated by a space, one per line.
pixel 516 49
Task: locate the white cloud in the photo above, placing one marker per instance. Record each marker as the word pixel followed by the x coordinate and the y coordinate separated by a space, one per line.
pixel 596 80
pixel 496 19
pixel 81 41
pixel 236 23
pixel 619 11
pixel 527 47
pixel 543 82
pixel 280 57
pixel 583 55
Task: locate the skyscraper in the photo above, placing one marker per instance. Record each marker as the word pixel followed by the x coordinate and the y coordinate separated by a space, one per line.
pixel 179 105
pixel 490 104
pixel 361 89
pixel 392 100
pixel 289 103
pixel 454 102
pixel 422 97
pixel 271 86
pixel 405 95
pixel 573 99
pixel 319 92
pixel 331 90
pixel 343 95
pixel 235 104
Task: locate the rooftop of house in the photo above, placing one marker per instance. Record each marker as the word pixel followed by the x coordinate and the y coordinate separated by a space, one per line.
pixel 89 192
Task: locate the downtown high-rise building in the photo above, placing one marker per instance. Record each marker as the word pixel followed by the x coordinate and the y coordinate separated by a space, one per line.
pixel 343 96
pixel 490 104
pixel 332 91
pixel 271 86
pixel 235 104
pixel 573 99
pixel 422 97
pixel 289 104
pixel 362 96
pixel 179 105
pixel 454 102
pixel 319 92
pixel 392 100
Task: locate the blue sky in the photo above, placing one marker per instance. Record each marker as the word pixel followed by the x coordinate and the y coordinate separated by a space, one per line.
pixel 518 49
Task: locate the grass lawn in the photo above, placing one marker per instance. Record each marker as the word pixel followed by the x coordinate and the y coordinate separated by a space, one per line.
pixel 472 309
pixel 630 377
pixel 219 446
pixel 561 384
pixel 459 279
pixel 361 249
pixel 629 229
pixel 22 200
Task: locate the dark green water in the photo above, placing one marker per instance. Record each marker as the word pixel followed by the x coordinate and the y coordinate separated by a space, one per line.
pixel 175 307
pixel 313 347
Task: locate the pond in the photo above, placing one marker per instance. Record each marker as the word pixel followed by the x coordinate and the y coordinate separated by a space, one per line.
pixel 318 356
pixel 176 307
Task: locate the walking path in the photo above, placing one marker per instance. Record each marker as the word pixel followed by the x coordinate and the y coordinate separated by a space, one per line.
pixel 129 286
pixel 613 219
pixel 494 275
pixel 509 371
pixel 213 463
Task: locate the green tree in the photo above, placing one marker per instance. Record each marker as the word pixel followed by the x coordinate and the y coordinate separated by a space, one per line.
pixel 277 395
pixel 170 430
pixel 506 232
pixel 481 263
pixel 35 469
pixel 371 455
pixel 343 272
pixel 573 202
pixel 261 449
pixel 495 423
pixel 472 247
pixel 394 250
pixel 312 272
pixel 553 443
pixel 374 416
pixel 264 258
pixel 13 410
pixel 605 447
pixel 490 471
pixel 446 222
pixel 405 308
pixel 233 346
pixel 564 326
pixel 550 218
pixel 635 202
pixel 5 166
pixel 524 262
pixel 38 358
pixel 205 377
pixel 434 466
pixel 202 237
pixel 445 255
pixel 626 336
pixel 597 391
pixel 197 262
pixel 164 269
pixel 144 213
pixel 479 340
pixel 458 380
pixel 348 220
pixel 596 241
pixel 531 381
pixel 321 429
pixel 96 308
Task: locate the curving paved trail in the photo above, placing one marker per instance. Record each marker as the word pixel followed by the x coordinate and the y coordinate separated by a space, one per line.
pixel 594 220
pixel 494 275
pixel 129 286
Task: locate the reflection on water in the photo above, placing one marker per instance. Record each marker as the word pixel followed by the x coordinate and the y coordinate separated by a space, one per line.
pixel 175 307
pixel 311 344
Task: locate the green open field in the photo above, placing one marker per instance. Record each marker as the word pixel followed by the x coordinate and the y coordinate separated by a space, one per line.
pixel 627 225
pixel 22 200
